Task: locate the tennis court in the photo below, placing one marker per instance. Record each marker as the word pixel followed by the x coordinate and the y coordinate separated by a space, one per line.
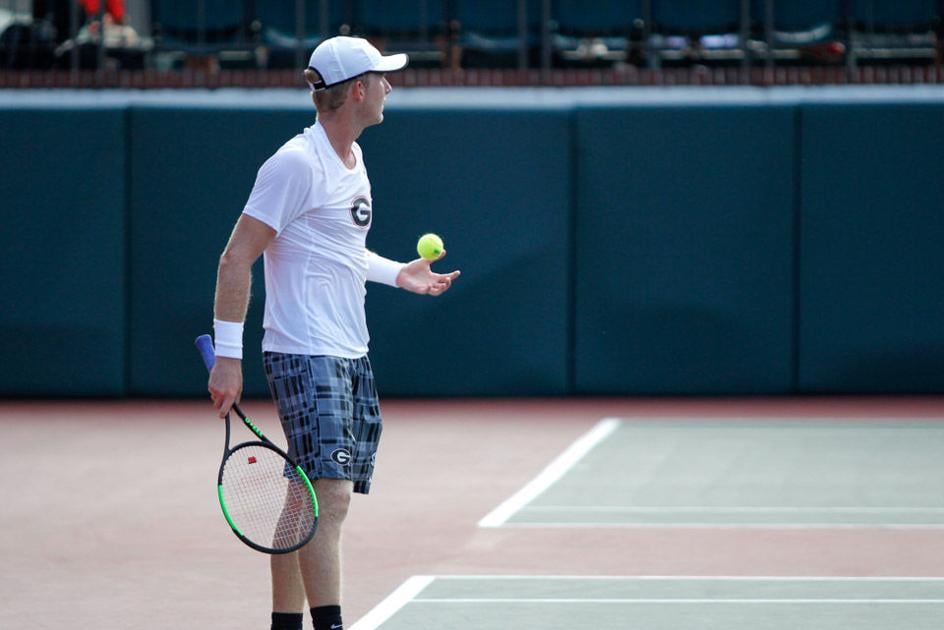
pixel 690 377
pixel 665 603
pixel 814 513
pixel 828 477
pixel 743 473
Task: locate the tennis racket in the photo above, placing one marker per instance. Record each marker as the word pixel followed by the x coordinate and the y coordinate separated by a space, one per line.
pixel 266 497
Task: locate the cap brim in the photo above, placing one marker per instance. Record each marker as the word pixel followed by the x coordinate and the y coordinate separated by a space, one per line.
pixel 391 63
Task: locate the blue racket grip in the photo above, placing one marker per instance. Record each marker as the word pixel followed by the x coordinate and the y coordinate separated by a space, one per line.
pixel 204 344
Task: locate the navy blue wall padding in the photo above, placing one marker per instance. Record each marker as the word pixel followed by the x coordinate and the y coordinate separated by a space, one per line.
pixel 192 171
pixel 872 306
pixel 615 242
pixel 496 185
pixel 684 255
pixel 62 251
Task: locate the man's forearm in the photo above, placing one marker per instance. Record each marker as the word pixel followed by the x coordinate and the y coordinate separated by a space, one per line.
pixel 233 281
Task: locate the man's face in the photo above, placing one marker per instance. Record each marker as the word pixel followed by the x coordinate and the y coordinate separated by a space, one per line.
pixel 376 90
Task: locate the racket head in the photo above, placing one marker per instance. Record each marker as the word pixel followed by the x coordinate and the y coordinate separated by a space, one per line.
pixel 266 498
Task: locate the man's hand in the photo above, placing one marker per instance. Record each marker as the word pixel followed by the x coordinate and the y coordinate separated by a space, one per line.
pixel 418 277
pixel 226 384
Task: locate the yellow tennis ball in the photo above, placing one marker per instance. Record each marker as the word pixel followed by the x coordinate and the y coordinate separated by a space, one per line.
pixel 429 246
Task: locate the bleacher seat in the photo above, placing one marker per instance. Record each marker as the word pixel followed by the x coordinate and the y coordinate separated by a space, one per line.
pixel 498 34
pixel 203 34
pixel 602 31
pixel 901 15
pixel 488 31
pixel 278 23
pixel 416 27
pixel 195 23
pixel 895 30
pixel 800 29
pixel 697 30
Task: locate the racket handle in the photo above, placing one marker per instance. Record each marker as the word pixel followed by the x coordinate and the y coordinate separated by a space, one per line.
pixel 204 344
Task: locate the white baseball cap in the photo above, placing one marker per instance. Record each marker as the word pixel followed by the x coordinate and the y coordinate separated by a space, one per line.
pixel 341 58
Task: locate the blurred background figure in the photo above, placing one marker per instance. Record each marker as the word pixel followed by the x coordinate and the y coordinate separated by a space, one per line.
pixel 61 34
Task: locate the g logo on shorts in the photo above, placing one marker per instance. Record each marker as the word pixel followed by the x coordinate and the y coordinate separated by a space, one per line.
pixel 341 456
pixel 360 212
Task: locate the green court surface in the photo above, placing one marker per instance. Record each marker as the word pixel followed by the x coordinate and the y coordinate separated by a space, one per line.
pixel 820 473
pixel 746 473
pixel 660 603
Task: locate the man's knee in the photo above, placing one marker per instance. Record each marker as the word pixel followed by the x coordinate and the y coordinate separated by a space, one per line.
pixel 334 499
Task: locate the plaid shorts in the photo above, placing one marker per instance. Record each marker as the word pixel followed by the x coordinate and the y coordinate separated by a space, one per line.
pixel 330 414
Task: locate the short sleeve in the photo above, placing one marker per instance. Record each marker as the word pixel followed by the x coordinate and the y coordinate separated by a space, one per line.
pixel 282 189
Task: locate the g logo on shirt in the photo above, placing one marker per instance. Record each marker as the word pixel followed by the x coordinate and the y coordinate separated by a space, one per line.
pixel 360 211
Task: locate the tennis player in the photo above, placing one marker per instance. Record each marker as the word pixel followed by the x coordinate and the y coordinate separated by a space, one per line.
pixel 308 214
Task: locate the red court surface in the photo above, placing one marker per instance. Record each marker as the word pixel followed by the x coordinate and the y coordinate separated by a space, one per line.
pixel 110 517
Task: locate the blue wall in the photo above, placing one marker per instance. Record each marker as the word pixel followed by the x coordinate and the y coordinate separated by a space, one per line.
pixel 636 244
pixel 684 273
pixel 871 315
pixel 63 198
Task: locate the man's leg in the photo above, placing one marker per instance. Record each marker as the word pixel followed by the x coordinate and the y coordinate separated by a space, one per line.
pixel 288 592
pixel 320 560
pixel 287 376
pixel 315 569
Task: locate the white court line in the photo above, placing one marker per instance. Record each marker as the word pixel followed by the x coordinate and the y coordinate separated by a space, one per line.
pixel 539 600
pixel 554 471
pixel 697 578
pixel 715 525
pixel 659 509
pixel 393 602
pixel 407 592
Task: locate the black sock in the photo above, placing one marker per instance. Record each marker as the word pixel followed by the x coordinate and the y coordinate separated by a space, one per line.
pixel 327 618
pixel 287 621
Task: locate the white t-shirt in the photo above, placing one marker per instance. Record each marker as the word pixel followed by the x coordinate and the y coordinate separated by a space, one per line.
pixel 316 266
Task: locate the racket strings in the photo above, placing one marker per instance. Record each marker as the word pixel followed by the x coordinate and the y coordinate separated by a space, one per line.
pixel 266 499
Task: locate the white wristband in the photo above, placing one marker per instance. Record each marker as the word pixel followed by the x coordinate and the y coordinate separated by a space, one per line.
pixel 383 270
pixel 228 339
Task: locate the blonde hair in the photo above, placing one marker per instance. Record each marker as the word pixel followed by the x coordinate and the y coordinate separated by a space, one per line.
pixel 334 97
